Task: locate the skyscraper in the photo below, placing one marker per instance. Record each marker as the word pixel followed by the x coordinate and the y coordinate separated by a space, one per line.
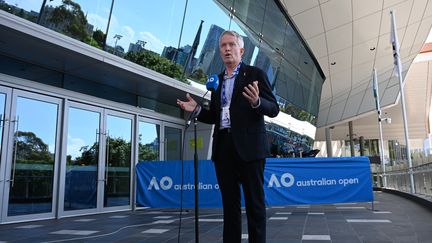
pixel 209 59
pixel 177 55
pixel 137 47
pixel 263 62
pixel 249 50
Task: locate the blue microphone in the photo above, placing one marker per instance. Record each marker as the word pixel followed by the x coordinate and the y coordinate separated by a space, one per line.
pixel 212 83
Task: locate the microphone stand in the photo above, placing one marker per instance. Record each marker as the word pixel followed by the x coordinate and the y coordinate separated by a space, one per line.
pixel 194 116
pixel 196 180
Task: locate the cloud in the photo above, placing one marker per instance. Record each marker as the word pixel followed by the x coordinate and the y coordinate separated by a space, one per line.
pixel 97 21
pixel 74 145
pixel 127 32
pixel 153 43
pixel 128 36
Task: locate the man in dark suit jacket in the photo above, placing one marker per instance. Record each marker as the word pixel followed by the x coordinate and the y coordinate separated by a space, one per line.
pixel 240 144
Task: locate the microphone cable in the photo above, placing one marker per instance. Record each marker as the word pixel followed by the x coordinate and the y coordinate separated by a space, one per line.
pixel 192 116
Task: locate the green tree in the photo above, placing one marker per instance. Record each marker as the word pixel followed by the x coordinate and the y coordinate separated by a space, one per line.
pixel 31 148
pixel 6 7
pixel 119 152
pixel 157 63
pixel 99 37
pixel 147 153
pixel 118 149
pixel 21 13
pixel 89 155
pixel 199 75
pixel 70 19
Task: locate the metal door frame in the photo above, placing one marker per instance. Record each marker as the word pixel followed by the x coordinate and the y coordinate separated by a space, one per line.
pixel 108 112
pixel 62 186
pixel 5 125
pixel 15 94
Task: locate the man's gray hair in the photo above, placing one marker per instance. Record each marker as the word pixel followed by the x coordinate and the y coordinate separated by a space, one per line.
pixel 238 37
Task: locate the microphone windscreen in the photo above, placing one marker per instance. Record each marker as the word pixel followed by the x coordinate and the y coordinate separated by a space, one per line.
pixel 212 83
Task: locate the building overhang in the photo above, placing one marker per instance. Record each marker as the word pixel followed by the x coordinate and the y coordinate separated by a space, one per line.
pixel 350 39
pixel 36 45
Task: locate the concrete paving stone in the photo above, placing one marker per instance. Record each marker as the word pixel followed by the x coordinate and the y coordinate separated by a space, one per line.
pixel 409 223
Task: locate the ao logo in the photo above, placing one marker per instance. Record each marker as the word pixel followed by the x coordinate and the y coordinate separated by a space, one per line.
pixel 165 183
pixel 286 180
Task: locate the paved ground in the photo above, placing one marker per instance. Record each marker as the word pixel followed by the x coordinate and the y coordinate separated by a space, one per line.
pixel 394 219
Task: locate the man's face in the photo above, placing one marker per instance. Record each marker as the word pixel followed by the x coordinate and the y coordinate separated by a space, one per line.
pixel 230 51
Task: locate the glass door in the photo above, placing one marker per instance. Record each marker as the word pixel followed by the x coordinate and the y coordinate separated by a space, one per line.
pixel 117 160
pixel 173 142
pixel 148 141
pixel 80 168
pixel 32 155
pixel 149 146
pixel 96 171
pixel 5 94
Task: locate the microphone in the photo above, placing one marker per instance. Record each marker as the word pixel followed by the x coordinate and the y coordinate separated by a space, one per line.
pixel 212 84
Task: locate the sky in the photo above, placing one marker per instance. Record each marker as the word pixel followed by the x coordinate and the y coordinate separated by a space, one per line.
pixel 156 22
pixel 141 19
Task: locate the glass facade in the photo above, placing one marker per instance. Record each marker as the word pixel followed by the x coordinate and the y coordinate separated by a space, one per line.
pixel 397 152
pixel 180 39
pixel 370 147
pixel 286 143
pixel 84 152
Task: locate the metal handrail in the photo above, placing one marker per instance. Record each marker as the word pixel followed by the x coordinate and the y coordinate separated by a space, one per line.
pixel 12 177
pixel 399 178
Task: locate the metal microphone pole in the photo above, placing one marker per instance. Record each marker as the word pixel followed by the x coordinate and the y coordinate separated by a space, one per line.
pixel 193 116
pixel 211 85
pixel 196 180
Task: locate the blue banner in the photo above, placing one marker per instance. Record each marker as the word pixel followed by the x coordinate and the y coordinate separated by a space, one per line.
pixel 318 180
pixel 287 181
pixel 159 184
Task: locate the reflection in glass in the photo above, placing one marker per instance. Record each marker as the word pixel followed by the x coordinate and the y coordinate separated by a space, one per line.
pixel 148 142
pixel 287 143
pixel 118 161
pixel 82 159
pixel 161 41
pixel 32 169
pixel 173 138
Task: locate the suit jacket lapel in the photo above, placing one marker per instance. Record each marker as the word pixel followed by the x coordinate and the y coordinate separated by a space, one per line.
pixel 238 83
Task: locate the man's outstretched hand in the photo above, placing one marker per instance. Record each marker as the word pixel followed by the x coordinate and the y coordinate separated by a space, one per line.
pixel 251 93
pixel 188 105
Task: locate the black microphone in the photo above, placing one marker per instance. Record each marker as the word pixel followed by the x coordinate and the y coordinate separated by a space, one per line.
pixel 212 84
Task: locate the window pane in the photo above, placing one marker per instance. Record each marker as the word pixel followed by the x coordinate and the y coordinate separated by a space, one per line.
pixel 173 141
pixel 32 171
pixel 118 161
pixel 82 159
pixel 148 142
